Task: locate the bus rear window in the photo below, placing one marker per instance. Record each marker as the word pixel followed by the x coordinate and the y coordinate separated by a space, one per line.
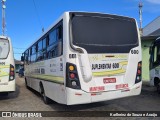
pixel 101 32
pixel 4 48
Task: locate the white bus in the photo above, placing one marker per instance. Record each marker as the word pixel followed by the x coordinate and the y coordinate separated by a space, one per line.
pixel 7 66
pixel 84 58
pixel 155 64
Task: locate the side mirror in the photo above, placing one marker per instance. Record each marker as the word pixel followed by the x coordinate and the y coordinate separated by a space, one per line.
pixel 22 58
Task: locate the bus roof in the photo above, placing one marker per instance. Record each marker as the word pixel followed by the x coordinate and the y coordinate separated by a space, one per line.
pixel 4 37
pixel 98 14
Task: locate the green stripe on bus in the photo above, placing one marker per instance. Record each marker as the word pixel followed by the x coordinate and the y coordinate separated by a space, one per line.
pixel 51 78
pixel 5 66
pixel 2 74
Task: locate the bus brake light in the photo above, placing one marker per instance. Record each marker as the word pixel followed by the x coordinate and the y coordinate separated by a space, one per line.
pixel 139 72
pixel 12 73
pixel 72 75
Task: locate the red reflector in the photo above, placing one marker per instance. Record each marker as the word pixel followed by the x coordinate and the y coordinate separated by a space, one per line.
pixel 97 89
pixel 139 71
pixel 93 94
pixel 12 73
pixel 79 94
pixel 72 75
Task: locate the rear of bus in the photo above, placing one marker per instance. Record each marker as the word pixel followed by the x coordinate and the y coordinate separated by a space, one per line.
pixel 104 58
pixel 7 74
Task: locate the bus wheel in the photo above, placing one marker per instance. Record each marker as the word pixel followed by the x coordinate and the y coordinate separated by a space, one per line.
pixel 158 88
pixel 5 94
pixel 46 100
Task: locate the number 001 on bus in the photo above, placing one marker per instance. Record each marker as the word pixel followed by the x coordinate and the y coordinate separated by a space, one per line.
pixel 84 58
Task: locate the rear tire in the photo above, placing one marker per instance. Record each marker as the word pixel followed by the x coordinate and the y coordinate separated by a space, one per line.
pixel 5 94
pixel 46 100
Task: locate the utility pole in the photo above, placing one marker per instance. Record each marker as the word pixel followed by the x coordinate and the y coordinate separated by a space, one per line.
pixel 140 17
pixel 3 17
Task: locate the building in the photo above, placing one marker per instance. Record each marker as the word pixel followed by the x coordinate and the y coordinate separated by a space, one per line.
pixel 150 33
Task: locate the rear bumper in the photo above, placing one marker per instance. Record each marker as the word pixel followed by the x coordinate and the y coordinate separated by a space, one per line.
pixel 10 87
pixel 80 97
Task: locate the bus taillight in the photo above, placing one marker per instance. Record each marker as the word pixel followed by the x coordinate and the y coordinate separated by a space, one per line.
pixel 71 67
pixel 139 71
pixel 72 78
pixel 12 73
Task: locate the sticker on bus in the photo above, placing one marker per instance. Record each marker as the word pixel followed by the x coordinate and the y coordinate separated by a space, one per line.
pixel 109 80
pixel 120 86
pixel 97 89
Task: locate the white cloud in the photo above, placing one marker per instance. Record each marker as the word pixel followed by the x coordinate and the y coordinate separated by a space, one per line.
pixel 154 1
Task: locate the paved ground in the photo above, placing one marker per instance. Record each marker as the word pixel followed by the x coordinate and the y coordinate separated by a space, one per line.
pixel 28 100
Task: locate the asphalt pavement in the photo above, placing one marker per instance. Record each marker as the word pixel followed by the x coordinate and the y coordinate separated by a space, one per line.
pixel 29 100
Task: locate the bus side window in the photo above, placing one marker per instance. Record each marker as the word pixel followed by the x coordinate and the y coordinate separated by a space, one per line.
pixel 26 54
pixel 47 46
pixel 53 51
pixel 52 37
pixel 60 32
pixel 39 51
pixel 44 46
pixel 34 48
pixel 29 54
pixel 39 47
pixel 33 58
pixel 60 40
pixel 33 53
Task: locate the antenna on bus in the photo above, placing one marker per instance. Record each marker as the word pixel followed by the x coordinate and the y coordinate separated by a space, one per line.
pixel 3 17
pixel 43 29
pixel 140 16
